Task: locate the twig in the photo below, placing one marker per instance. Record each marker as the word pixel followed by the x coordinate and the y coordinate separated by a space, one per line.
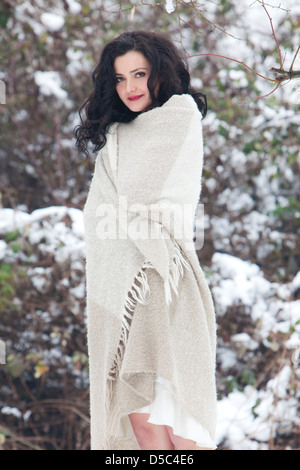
pixel 61 404
pixel 292 65
pixel 33 159
pixel 278 79
pixel 275 402
pixel 279 7
pixel 262 96
pixel 283 75
pixel 234 60
pixel 23 440
pixel 58 143
pixel 215 26
pixel 273 33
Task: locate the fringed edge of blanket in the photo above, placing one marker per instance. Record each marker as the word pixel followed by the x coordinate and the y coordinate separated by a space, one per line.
pixel 176 271
pixel 138 293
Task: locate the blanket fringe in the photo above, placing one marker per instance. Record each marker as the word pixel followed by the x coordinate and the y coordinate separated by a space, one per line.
pixel 176 271
pixel 138 293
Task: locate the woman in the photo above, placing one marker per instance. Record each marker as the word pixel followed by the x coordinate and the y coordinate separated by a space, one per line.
pixel 151 323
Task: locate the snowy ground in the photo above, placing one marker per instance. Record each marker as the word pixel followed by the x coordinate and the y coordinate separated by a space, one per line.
pixel 249 417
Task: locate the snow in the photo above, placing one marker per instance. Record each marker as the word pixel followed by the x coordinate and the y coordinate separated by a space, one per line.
pixel 12 220
pixel 45 227
pixel 170 6
pixel 242 282
pixel 40 278
pixel 245 340
pixel 50 84
pixel 296 282
pixel 78 291
pixel 227 358
pixel 244 418
pixel 77 62
pixel 3 247
pixel 25 12
pixel 239 281
pixel 235 201
pixel 52 21
pixel 74 7
pixel 8 410
pixel 238 76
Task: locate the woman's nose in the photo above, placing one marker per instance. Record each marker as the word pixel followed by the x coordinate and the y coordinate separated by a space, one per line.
pixel 130 87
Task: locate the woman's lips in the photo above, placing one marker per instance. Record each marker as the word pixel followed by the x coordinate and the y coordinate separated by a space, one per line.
pixel 135 98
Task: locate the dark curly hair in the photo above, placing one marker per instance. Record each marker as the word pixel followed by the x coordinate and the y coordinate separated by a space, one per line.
pixel 104 107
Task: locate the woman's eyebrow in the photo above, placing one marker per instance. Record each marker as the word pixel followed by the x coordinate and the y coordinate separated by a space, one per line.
pixel 133 71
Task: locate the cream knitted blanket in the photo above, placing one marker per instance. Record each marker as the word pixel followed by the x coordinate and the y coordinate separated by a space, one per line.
pixel 139 217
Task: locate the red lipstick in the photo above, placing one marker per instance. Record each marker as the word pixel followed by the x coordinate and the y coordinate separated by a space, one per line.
pixel 135 98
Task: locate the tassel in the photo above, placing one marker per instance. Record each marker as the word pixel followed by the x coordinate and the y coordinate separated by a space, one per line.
pixel 136 294
pixel 175 273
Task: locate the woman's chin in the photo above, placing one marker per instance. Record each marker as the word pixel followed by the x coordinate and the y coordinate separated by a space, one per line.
pixel 139 106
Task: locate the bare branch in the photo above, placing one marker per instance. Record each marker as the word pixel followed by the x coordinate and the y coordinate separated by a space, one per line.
pixel 273 32
pixel 234 60
pixel 292 65
pixel 279 7
pixel 283 75
pixel 280 75
pixel 215 26
pixel 262 96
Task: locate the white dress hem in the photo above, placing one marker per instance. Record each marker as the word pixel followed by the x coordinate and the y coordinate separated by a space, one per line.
pixel 166 410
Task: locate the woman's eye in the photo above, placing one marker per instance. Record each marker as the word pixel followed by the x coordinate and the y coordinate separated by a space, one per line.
pixel 138 75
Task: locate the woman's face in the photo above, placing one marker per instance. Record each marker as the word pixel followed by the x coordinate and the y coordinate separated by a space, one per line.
pixel 132 72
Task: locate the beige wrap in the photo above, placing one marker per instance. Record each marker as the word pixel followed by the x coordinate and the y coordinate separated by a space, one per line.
pixel 148 304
